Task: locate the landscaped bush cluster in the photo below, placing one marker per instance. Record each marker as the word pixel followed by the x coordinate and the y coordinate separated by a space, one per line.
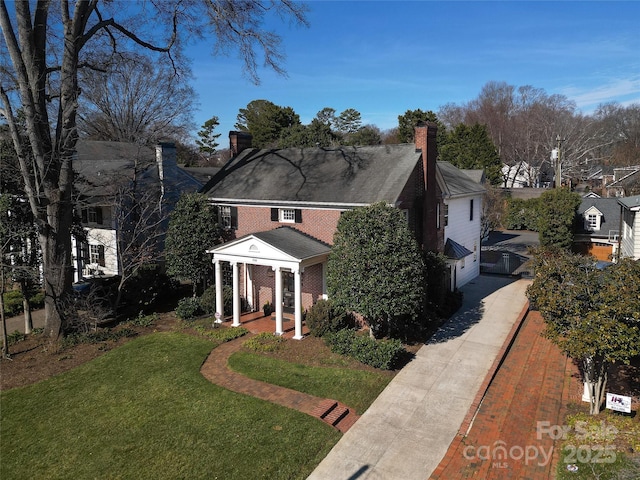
pixel 221 334
pixel 143 320
pixel 148 288
pixel 383 354
pixel 13 302
pixel 522 214
pixel 98 336
pixel 264 342
pixel 189 308
pixel 323 318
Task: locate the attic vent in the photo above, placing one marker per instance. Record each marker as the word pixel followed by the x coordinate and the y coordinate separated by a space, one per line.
pixel 254 248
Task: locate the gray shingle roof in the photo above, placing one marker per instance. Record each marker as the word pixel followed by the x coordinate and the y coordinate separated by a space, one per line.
pixel 630 202
pixel 608 207
pixel 342 175
pixel 457 182
pixel 293 242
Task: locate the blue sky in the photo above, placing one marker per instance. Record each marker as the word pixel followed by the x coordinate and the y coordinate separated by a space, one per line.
pixel 386 57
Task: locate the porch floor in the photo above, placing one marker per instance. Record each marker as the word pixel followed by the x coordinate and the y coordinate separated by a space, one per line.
pixel 256 322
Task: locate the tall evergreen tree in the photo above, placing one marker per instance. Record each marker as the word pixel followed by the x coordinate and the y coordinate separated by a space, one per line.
pixel 470 147
pixel 192 229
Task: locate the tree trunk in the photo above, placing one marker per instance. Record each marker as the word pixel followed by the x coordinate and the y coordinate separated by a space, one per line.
pixel 28 320
pixel 55 242
pixel 595 381
pixel 5 339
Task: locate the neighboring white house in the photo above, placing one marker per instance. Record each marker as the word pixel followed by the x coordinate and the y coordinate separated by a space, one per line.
pixel 104 168
pixel 520 176
pixel 630 231
pixel 462 199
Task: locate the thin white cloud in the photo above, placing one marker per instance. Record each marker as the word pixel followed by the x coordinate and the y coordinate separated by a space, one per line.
pixel 621 90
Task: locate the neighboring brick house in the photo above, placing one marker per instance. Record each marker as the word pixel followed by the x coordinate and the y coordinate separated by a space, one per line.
pixel 281 209
pixel 103 169
pixel 598 227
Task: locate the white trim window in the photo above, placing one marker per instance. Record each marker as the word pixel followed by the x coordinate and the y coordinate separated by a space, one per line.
pixel 96 254
pixel 287 215
pixel 592 221
pixel 225 217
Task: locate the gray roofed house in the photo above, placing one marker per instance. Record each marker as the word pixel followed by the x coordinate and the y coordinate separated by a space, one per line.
pixel 346 176
pixel 103 170
pixel 281 207
pixel 597 227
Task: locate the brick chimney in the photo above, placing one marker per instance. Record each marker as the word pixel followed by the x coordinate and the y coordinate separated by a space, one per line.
pixel 167 163
pixel 239 141
pixel 425 140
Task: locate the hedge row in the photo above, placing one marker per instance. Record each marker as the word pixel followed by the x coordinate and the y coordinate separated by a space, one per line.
pixel 383 354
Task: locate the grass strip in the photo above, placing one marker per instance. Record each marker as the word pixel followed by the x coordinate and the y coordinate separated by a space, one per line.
pixel 355 388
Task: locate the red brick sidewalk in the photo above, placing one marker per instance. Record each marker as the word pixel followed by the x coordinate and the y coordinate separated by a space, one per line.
pixel 506 439
pixel 215 370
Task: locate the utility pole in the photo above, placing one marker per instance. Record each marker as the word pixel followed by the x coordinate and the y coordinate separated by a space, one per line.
pixel 556 156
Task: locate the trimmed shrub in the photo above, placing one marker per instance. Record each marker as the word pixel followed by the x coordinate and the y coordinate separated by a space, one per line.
pixel 323 318
pixel 522 214
pixel 221 334
pixel 188 308
pixel 383 354
pixel 208 299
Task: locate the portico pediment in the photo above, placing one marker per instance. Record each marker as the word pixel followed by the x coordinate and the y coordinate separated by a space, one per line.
pixel 250 249
pixel 285 247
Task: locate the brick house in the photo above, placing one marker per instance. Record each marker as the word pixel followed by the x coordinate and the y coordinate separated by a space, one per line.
pixel 281 208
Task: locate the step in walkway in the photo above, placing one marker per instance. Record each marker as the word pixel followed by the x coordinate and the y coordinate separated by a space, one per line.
pixel 330 411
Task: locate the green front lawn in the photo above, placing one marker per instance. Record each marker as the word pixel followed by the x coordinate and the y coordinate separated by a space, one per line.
pixel 144 411
pixel 355 388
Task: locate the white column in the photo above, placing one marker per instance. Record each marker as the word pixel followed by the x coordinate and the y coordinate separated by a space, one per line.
pixel 278 281
pixel 236 295
pixel 219 302
pixel 298 303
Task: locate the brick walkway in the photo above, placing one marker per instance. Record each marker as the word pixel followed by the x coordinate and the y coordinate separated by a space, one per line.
pixel 503 441
pixel 215 370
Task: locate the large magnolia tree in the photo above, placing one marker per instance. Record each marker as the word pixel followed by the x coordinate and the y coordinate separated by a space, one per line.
pixel 45 45
pixel 376 267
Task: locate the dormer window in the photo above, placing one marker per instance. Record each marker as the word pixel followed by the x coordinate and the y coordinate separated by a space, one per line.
pixel 592 219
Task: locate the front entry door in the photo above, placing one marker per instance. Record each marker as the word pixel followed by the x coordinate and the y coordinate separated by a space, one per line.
pixel 288 292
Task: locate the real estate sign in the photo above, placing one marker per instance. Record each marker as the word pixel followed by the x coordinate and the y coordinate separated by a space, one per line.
pixel 619 403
